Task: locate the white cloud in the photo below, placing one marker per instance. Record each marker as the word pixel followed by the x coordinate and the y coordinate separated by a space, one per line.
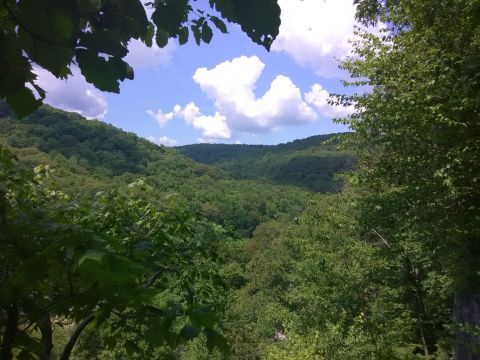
pixel 142 57
pixel 72 94
pixel 231 86
pixel 313 32
pixel 318 98
pixel 213 127
pixel 161 118
pixel 162 140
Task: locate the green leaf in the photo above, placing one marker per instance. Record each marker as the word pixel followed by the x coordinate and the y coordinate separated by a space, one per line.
pixel 250 14
pixel 188 332
pixel 224 7
pixel 122 69
pixel 93 255
pixel 98 71
pixel 170 15
pixel 196 33
pixel 206 33
pixel 104 41
pixel 216 340
pixel 34 269
pixel 148 38
pixel 49 37
pixel 101 315
pixel 135 20
pixel 202 316
pixel 161 37
pixel 183 36
pixel 23 102
pixel 131 348
pixel 89 6
pixel 155 336
pixel 219 24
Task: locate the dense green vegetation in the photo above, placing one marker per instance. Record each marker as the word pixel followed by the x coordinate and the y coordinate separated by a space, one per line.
pixel 310 163
pixel 91 156
pixel 86 159
pixel 101 260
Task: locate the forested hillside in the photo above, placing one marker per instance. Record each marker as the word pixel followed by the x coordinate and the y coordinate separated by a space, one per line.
pixel 90 156
pixel 310 163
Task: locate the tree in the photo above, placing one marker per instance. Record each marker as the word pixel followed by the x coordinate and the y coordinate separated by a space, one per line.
pixel 94 34
pixel 419 139
pixel 144 275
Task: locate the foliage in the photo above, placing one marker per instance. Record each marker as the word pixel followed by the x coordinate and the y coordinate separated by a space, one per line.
pixel 90 156
pixel 219 153
pixel 312 163
pixel 94 35
pixel 316 288
pixel 142 274
pixel 418 136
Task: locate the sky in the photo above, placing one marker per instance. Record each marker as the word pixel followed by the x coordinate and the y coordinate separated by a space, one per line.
pixel 231 90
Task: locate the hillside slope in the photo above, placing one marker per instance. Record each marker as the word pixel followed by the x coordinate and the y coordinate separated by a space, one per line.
pixel 310 163
pixel 90 156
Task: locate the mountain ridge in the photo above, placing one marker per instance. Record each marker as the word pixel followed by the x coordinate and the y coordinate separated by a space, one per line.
pixel 311 163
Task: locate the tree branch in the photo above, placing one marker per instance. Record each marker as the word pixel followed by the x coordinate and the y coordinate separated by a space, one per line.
pixel 382 238
pixel 76 334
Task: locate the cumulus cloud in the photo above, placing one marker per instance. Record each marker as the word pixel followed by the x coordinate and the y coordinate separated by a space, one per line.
pixel 314 32
pixel 161 118
pixel 142 57
pixel 231 86
pixel 72 94
pixel 213 127
pixel 319 97
pixel 162 140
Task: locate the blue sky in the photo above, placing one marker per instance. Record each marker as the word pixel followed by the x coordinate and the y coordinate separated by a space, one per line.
pixel 231 90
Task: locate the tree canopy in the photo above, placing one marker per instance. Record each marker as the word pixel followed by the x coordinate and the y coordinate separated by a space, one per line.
pixel 94 35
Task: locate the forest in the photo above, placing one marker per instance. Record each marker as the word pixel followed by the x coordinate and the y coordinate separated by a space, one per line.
pixel 355 245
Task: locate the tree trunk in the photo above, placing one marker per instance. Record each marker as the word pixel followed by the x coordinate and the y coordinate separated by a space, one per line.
pixel 466 312
pixel 421 313
pixel 10 331
pixel 45 326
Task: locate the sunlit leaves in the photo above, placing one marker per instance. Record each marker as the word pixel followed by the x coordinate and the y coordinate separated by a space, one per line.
pixel 417 138
pixel 114 258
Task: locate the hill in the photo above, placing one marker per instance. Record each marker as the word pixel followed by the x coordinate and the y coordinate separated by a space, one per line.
pixel 310 163
pixel 90 156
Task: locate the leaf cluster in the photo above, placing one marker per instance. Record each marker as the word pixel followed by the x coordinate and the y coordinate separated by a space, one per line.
pixel 56 35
